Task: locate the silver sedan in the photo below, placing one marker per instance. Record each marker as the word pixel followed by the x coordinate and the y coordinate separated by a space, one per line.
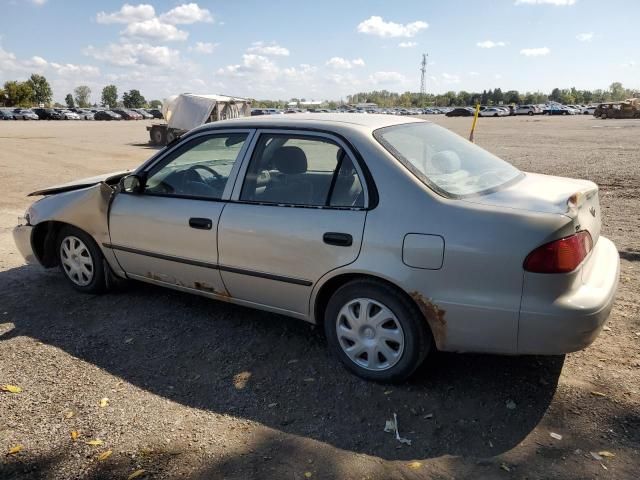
pixel 396 235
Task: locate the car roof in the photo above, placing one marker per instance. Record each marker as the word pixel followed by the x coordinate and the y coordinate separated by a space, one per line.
pixel 313 120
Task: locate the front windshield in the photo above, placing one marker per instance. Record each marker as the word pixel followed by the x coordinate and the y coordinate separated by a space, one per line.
pixel 444 161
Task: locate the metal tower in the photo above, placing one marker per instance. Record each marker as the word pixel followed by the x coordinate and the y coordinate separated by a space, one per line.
pixel 423 70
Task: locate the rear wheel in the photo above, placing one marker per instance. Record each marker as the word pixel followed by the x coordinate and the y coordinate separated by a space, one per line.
pixel 376 331
pixel 530 114
pixel 81 260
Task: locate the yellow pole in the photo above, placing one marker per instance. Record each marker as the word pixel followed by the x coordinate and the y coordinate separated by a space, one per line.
pixel 475 120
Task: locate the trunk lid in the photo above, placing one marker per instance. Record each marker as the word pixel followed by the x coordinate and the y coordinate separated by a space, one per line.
pixel 549 194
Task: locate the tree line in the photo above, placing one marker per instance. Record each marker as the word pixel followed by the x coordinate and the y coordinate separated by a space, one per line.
pixel 385 98
pixel 37 91
pixel 615 92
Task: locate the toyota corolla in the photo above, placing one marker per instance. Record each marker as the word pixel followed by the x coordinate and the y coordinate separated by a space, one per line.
pixel 395 234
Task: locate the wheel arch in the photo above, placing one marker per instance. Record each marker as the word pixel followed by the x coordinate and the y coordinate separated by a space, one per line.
pixel 332 284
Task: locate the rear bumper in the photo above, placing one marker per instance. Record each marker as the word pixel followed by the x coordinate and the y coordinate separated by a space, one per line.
pixel 572 320
pixel 22 239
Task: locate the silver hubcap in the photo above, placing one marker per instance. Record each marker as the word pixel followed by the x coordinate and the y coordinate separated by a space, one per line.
pixel 370 334
pixel 76 261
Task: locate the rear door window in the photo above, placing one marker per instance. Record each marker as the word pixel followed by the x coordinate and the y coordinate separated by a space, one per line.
pixel 302 170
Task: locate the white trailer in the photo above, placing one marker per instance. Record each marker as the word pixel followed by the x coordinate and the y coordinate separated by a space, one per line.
pixel 188 110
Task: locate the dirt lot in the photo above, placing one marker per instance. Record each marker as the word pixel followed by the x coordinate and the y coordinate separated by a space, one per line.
pixel 200 389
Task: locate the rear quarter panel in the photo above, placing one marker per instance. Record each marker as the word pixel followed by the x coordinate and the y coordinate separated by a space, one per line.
pixel 472 302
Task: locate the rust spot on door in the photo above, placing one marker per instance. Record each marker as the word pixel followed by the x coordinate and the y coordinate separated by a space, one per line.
pixel 204 287
pixel 434 316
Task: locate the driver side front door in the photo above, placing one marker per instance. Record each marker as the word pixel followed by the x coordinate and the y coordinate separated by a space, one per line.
pixel 167 234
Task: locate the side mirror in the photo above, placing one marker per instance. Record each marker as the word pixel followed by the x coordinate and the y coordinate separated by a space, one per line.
pixel 132 184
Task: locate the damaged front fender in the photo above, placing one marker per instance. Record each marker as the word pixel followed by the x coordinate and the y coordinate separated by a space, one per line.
pixel 85 208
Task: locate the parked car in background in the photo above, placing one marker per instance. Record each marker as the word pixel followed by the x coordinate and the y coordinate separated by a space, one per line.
pixel 527 110
pixel 156 113
pixel 6 115
pixel 85 114
pixel 589 110
pixel 286 215
pixel 460 112
pixel 125 114
pixel 68 114
pixel 493 112
pixel 258 111
pixel 47 114
pixel 24 114
pixel 106 115
pixel 142 112
pixel 558 110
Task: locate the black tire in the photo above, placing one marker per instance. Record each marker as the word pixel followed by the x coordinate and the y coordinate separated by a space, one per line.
pixel 530 114
pixel 495 114
pixel 418 340
pixel 97 284
pixel 603 116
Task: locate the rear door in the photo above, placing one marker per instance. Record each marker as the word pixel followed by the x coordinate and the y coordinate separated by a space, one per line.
pixel 298 211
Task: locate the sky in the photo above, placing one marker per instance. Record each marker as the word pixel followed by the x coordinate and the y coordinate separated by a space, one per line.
pixel 282 49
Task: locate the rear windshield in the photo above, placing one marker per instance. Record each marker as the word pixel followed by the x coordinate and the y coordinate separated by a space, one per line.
pixel 444 161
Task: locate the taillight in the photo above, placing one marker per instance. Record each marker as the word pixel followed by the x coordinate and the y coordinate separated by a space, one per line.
pixel 560 256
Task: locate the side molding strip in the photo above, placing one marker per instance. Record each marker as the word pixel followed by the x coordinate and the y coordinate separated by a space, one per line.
pixel 213 266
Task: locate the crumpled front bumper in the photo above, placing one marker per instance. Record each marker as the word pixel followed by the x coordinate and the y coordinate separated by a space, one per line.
pixel 22 239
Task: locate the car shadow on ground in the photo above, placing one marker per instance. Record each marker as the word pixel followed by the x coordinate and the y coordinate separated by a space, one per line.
pixel 277 371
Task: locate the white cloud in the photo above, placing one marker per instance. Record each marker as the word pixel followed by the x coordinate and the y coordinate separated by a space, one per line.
pixel 451 78
pixel 271 49
pixel 39 2
pixel 491 44
pixel 387 78
pixel 375 25
pixel 154 29
pixel 629 64
pixel 407 44
pixel 497 76
pixel 584 37
pixel 251 65
pixel 128 14
pixel 187 13
pixel 130 54
pixel 204 47
pixel 473 74
pixel 557 3
pixel 535 52
pixel 339 63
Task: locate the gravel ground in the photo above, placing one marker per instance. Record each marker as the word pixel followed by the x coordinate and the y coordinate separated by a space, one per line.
pixel 202 389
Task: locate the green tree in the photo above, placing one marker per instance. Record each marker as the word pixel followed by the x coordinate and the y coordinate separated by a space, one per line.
pixel 110 96
pixel 133 99
pixel 18 94
pixel 512 96
pixel 158 104
pixel 42 93
pixel 617 92
pixel 556 95
pixel 82 94
pixel 69 100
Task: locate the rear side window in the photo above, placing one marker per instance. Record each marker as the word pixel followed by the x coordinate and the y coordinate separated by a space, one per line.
pixel 444 161
pixel 301 170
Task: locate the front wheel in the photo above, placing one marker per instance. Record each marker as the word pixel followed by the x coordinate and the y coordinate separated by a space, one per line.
pixel 376 331
pixel 81 260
